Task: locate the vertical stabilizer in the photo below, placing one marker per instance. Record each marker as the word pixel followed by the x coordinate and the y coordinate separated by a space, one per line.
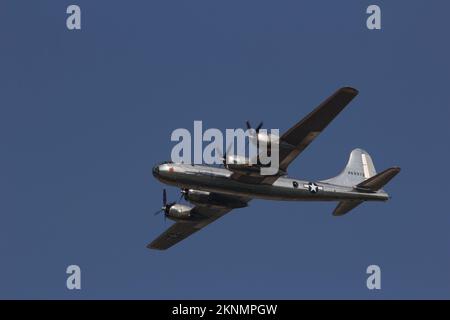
pixel 359 168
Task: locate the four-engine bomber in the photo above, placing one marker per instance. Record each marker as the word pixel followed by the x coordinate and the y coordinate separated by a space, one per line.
pixel 214 191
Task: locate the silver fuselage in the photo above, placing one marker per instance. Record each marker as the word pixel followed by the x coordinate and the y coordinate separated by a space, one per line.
pixel 214 179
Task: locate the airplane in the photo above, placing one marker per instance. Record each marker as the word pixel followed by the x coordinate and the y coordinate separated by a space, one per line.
pixel 214 191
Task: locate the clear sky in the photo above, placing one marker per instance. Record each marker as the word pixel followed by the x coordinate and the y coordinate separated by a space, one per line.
pixel 84 115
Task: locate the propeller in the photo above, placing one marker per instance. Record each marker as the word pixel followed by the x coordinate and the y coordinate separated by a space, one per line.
pixel 166 206
pixel 249 126
pixel 184 194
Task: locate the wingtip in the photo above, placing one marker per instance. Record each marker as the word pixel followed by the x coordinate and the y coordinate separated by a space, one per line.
pixel 396 169
pixel 152 246
pixel 350 90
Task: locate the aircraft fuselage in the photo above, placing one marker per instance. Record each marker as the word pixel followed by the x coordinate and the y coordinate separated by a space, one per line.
pixel 214 179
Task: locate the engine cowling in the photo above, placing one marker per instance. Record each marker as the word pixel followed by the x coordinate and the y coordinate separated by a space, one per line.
pixel 242 165
pixel 179 212
pixel 245 169
pixel 202 198
pixel 237 160
pixel 196 196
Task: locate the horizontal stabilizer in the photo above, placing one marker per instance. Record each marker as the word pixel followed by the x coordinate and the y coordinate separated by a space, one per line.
pixel 377 182
pixel 345 206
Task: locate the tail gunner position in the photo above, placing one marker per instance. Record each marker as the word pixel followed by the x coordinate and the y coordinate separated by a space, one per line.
pixel 215 191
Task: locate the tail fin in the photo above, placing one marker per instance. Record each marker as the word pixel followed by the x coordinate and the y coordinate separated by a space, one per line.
pixel 359 168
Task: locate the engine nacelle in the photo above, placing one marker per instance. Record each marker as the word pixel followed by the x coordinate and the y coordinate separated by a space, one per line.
pixel 202 198
pixel 264 137
pixel 179 212
pixel 249 170
pixel 237 160
pixel 242 165
pixel 197 196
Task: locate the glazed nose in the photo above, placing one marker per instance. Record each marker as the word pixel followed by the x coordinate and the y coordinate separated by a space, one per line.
pixel 155 171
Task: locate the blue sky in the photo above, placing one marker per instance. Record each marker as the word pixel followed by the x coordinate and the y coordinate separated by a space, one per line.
pixel 86 114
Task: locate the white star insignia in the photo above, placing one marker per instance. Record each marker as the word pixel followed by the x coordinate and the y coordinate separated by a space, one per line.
pixel 312 187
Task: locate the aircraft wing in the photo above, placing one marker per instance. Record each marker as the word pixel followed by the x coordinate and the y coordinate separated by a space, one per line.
pixel 181 230
pixel 307 129
pixel 297 138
